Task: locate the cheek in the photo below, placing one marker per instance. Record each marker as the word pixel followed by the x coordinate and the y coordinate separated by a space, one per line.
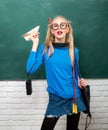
pixel 64 33
pixel 54 33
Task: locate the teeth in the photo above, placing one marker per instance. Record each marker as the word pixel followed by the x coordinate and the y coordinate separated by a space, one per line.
pixel 59 32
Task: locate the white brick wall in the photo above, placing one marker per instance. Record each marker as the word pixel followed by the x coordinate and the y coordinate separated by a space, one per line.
pixel 21 112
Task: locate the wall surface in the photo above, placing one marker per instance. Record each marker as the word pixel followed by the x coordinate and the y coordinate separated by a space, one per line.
pixel 90 28
pixel 21 112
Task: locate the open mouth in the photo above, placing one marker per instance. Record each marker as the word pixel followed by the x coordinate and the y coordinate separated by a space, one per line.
pixel 59 32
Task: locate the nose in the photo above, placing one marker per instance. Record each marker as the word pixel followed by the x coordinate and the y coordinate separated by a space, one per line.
pixel 59 27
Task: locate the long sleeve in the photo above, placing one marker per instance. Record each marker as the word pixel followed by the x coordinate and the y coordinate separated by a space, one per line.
pixel 35 59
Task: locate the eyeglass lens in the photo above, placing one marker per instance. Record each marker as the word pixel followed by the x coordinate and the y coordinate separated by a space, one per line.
pixel 55 26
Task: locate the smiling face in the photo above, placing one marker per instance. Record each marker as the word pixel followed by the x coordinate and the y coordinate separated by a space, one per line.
pixel 59 28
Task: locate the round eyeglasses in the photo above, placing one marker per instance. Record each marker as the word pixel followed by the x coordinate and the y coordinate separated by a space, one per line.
pixel 55 26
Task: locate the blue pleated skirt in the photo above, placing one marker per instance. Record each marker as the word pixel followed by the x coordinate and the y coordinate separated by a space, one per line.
pixel 58 106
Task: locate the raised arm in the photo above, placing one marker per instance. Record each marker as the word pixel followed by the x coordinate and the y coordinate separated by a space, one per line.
pixel 35 58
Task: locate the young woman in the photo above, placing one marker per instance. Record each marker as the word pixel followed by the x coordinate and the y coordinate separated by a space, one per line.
pixel 58 55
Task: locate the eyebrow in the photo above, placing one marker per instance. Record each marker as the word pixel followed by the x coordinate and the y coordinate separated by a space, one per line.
pixel 60 23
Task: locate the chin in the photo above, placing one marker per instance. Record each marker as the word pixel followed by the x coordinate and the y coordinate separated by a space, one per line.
pixel 60 37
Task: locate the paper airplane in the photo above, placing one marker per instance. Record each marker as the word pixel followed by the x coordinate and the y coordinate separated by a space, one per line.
pixel 30 33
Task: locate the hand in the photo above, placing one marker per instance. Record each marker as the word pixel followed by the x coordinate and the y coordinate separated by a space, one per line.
pixel 35 40
pixel 82 83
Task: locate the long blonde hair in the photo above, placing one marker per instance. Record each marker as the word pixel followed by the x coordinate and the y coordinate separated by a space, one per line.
pixel 69 39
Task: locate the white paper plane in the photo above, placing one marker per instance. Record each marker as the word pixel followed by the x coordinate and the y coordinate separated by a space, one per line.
pixel 30 33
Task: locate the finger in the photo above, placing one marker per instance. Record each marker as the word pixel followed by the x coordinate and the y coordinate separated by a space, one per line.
pixel 83 81
pixel 35 35
pixel 83 84
pixel 80 87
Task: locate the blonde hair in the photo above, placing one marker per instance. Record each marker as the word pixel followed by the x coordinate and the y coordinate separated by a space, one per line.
pixel 69 39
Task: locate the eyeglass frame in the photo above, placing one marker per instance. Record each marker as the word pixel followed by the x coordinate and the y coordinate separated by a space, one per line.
pixel 59 26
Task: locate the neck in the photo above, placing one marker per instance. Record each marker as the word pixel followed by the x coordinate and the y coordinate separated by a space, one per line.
pixel 60 40
pixel 56 44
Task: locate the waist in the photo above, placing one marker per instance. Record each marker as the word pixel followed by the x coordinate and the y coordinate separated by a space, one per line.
pixel 66 93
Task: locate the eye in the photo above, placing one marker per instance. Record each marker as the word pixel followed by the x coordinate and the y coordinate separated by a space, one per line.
pixel 54 26
pixel 63 25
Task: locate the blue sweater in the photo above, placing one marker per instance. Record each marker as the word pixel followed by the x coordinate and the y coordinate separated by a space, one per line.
pixel 58 70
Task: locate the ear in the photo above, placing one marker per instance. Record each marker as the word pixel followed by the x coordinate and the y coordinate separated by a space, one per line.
pixel 67 30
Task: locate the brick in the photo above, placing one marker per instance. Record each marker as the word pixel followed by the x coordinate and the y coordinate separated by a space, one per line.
pixel 19 111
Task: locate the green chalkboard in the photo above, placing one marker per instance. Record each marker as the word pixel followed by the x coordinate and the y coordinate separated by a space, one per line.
pixel 90 23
